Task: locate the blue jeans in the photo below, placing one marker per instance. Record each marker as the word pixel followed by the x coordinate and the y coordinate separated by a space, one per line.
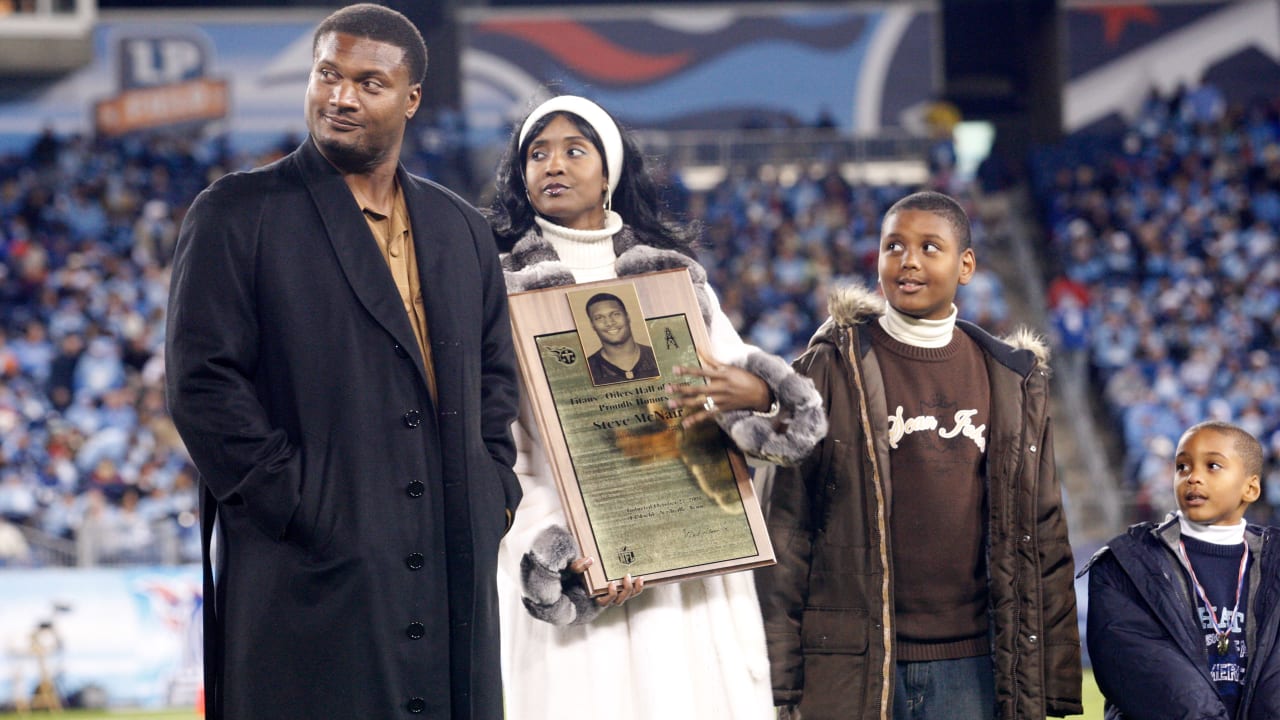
pixel 963 689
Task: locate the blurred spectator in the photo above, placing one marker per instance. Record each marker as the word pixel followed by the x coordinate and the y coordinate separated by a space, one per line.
pixel 13 546
pixel 130 538
pixel 154 235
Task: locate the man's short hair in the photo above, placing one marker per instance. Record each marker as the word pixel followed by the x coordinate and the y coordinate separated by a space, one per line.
pixel 382 24
pixel 604 297
pixel 941 205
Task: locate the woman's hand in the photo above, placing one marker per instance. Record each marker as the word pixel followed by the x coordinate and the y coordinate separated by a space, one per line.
pixel 619 592
pixel 727 388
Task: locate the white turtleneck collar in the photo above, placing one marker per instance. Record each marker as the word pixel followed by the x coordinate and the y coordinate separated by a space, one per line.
pixel 587 253
pixel 915 331
pixel 1216 534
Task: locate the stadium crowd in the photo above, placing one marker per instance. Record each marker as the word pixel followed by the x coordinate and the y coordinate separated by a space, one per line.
pixel 1168 278
pixel 87 451
pixel 88 454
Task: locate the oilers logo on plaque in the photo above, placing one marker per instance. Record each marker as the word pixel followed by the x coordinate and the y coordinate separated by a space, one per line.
pixel 565 355
pixel 670 338
pixel 626 555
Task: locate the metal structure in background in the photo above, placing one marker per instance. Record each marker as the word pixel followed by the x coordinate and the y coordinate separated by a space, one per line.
pixel 45 37
pixel 706 157
pixel 710 155
pixel 97 546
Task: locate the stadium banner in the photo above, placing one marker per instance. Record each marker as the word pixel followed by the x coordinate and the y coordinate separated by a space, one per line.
pixel 863 68
pixel 241 74
pixel 118 637
pixel 245 72
pixel 1118 54
pixel 858 68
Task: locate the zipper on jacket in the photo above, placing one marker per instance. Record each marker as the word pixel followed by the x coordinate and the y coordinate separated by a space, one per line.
pixel 886 607
pixel 1265 636
pixel 1017 566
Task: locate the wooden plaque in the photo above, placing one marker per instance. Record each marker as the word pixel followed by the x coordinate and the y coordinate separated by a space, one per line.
pixel 642 495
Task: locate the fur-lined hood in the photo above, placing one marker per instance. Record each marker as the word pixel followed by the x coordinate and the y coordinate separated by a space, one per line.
pixel 855 304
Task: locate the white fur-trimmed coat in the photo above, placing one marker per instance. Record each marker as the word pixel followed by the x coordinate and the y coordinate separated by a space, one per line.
pixel 693 650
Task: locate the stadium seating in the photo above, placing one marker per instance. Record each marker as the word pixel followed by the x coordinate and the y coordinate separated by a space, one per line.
pixel 1164 240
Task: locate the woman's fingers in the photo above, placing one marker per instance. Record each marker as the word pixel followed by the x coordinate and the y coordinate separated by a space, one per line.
pixel 621 591
pixel 710 369
pixel 726 388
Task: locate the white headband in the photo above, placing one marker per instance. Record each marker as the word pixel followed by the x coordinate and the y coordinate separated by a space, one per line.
pixel 599 121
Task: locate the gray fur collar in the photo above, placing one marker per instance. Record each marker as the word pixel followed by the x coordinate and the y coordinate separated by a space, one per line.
pixel 856 304
pixel 533 264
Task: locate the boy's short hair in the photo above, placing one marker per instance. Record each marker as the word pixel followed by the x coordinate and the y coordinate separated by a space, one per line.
pixel 1246 444
pixel 382 24
pixel 941 205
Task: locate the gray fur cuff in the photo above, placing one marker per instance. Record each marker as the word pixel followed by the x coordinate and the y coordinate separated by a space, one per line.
pixel 803 418
pixel 552 593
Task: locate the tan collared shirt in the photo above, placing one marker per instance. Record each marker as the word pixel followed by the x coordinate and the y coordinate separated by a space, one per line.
pixel 395 240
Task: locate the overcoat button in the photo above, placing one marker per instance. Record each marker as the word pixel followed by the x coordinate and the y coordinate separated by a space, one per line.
pixel 413 418
pixel 415 631
pixel 415 561
pixel 401 352
pixel 1032 639
pixel 416 705
pixel 416 489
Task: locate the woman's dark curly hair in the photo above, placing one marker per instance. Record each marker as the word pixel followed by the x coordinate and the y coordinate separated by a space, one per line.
pixel 635 198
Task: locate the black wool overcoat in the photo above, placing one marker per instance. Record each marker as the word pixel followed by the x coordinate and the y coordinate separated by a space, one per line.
pixel 358 521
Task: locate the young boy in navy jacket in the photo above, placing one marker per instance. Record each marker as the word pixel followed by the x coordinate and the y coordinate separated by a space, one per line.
pixel 1182 615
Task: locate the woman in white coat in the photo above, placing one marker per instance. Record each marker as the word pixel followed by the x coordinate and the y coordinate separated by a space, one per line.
pixel 574 204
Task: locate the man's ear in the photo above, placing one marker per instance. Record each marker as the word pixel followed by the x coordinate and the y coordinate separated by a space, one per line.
pixel 415 99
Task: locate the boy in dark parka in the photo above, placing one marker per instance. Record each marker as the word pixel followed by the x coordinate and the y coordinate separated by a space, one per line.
pixel 923 561
pixel 1182 614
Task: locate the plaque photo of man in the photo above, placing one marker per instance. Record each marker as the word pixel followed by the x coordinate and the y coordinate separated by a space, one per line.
pixel 617 342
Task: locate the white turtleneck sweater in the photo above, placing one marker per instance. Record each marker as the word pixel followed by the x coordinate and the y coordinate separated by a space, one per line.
pixel 1215 534
pixel 587 253
pixel 915 331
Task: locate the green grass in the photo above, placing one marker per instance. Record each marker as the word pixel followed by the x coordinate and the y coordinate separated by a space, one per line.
pixel 1092 709
pixel 1092 698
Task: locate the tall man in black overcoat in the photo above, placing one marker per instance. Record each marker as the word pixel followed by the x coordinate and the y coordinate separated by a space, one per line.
pixel 340 367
